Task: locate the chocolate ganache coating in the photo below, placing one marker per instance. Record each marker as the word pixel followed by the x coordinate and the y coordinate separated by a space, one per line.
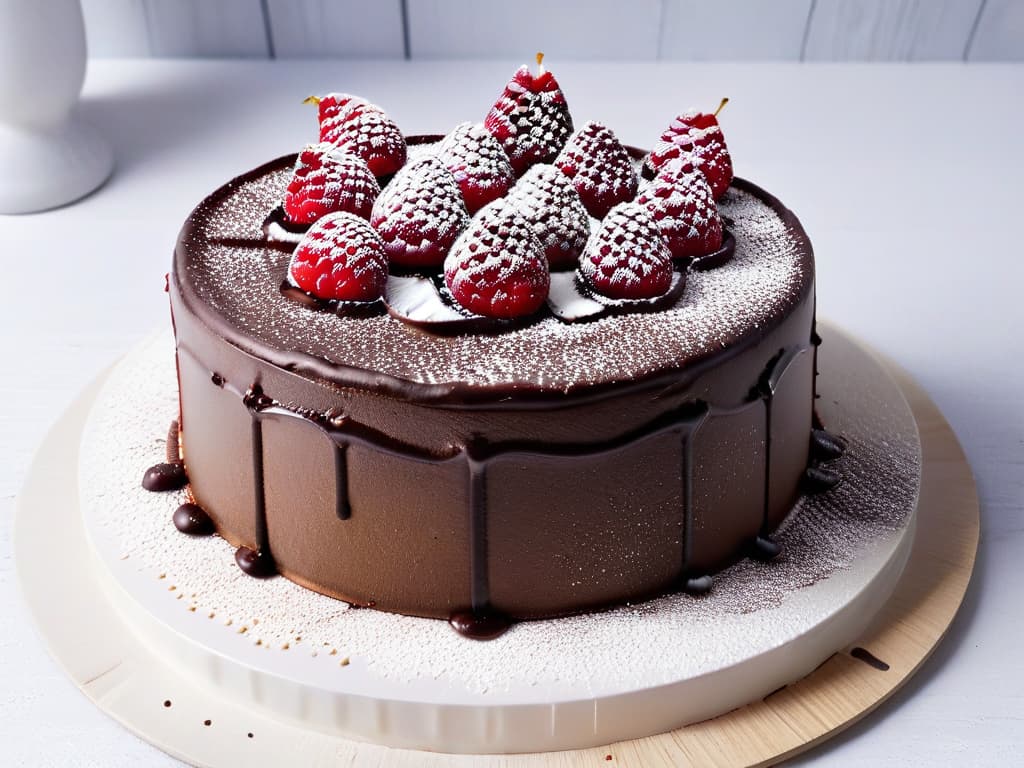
pixel 532 472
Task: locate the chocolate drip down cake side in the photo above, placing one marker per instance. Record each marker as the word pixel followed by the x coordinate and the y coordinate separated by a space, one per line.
pixel 518 371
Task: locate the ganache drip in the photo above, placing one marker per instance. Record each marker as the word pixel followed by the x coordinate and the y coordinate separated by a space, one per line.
pixel 169 475
pixel 481 620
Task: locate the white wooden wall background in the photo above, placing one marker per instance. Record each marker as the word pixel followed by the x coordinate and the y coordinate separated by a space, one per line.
pixel 816 30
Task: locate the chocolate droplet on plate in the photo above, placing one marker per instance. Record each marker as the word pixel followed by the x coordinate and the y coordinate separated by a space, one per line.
pixel 825 446
pixel 821 479
pixel 764 549
pixel 698 585
pixel 193 520
pixel 255 564
pixel 166 476
pixel 869 658
pixel 479 626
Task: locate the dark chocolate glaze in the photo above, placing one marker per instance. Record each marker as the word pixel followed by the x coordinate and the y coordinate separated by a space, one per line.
pixel 862 654
pixel 716 258
pixel 165 476
pixel 340 308
pixel 192 519
pixel 312 363
pixel 258 562
pixel 476 454
pixel 572 300
pixel 506 498
pixel 341 505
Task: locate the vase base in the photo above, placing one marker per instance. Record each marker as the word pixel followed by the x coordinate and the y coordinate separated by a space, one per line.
pixel 48 167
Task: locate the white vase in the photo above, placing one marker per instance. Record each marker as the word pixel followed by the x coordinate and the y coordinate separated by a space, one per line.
pixel 47 156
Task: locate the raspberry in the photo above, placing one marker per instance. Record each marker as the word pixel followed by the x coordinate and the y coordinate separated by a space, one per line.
pixel 420 213
pixel 546 198
pixel 335 109
pixel 356 126
pixel 600 169
pixel 497 267
pixel 697 137
pixel 681 202
pixel 478 163
pixel 530 119
pixel 340 258
pixel 627 258
pixel 327 180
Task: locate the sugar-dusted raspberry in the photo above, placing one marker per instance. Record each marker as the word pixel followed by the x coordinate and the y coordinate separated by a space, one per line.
pixel 681 202
pixel 356 126
pixel 327 180
pixel 696 137
pixel 626 258
pixel 336 109
pixel 497 267
pixel 600 169
pixel 547 199
pixel 530 119
pixel 420 213
pixel 479 164
pixel 340 258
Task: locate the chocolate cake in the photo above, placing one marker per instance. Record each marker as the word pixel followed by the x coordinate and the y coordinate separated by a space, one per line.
pixel 604 443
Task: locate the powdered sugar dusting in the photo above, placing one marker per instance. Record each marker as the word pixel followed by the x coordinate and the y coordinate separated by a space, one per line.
pixel 605 651
pixel 547 199
pixel 626 257
pixel 760 284
pixel 420 213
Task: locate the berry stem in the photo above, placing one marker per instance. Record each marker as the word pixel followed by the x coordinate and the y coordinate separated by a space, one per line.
pixel 540 63
pixel 721 105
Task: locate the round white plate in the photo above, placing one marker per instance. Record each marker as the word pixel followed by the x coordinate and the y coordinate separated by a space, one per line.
pixel 135 645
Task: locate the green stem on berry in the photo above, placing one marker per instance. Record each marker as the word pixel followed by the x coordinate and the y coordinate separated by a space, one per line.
pixel 540 63
pixel 725 101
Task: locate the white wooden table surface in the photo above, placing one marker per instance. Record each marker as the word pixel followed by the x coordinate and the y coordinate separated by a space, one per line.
pixel 905 176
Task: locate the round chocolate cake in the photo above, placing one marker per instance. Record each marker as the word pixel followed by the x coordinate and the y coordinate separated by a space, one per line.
pixel 553 456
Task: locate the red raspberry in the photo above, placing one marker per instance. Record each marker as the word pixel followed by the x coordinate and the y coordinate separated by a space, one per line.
pixel 680 200
pixel 600 169
pixel 627 258
pixel 497 267
pixel 340 258
pixel 335 109
pixel 356 126
pixel 697 137
pixel 327 180
pixel 546 198
pixel 420 213
pixel 478 163
pixel 530 119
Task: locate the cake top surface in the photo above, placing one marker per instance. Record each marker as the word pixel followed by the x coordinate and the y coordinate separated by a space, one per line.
pixel 230 277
